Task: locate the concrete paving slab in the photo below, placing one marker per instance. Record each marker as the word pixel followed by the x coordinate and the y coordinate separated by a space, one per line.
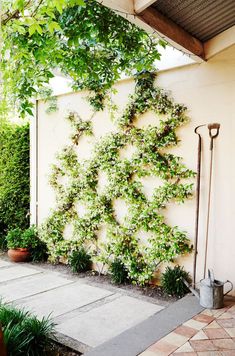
pixel 135 340
pixel 28 286
pixel 63 299
pixel 8 274
pixel 107 321
pixel 5 264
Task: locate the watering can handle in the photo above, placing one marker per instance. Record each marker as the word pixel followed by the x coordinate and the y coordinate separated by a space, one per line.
pixel 211 276
pixel 230 288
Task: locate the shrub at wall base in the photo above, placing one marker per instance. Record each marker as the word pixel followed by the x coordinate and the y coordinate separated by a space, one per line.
pixel 14 178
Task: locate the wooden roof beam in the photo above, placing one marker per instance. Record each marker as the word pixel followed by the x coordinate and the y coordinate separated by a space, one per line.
pixel 172 32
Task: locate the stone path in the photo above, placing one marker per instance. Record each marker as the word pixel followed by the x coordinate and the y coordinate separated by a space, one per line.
pixel 86 314
pixel 99 320
pixel 209 333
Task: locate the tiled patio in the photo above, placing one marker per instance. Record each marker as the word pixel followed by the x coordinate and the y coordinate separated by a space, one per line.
pixel 210 333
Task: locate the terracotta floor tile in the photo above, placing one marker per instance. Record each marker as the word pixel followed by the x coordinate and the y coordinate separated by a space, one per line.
pixel 207 312
pixel 163 347
pixel 216 333
pixel 213 325
pixel 231 312
pixel 218 312
pixel 185 331
pixel 203 345
pixel 185 348
pixel 195 324
pixel 230 331
pixel 148 353
pixel 226 315
pixel 224 344
pixel 227 353
pixel 232 307
pixel 226 323
pixel 175 339
pixel 209 353
pixel 184 354
pixel 204 318
pixel 200 336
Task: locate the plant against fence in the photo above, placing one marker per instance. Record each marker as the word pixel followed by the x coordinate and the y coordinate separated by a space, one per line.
pixel 166 242
pixel 14 177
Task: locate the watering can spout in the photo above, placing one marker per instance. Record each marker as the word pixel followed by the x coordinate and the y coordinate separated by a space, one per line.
pixel 191 289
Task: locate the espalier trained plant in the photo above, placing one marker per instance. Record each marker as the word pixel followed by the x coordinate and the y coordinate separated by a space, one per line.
pixel 165 242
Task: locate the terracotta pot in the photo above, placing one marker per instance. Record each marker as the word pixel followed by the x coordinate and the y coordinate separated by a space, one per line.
pixel 19 255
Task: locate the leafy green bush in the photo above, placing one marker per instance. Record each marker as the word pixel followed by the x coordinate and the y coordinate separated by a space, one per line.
pixel 28 238
pixel 80 260
pixel 172 282
pixel 23 333
pixel 118 272
pixel 18 238
pixel 14 178
pixel 40 252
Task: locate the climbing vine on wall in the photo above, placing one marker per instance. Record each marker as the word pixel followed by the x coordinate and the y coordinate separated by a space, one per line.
pixel 150 159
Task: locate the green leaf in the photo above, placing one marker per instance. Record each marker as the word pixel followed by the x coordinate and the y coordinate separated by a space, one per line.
pixel 35 27
pixel 59 5
pixel 19 4
pixel 54 26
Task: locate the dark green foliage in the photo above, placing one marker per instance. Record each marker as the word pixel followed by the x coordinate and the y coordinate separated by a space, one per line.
pixel 37 247
pixel 18 238
pixel 172 282
pixel 24 334
pixel 14 178
pixel 80 261
pixel 28 238
pixel 39 253
pixel 118 272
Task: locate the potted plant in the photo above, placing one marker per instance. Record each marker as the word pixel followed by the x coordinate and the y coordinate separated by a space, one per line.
pixel 20 243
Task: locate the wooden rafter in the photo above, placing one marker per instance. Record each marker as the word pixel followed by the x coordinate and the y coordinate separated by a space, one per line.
pixel 172 31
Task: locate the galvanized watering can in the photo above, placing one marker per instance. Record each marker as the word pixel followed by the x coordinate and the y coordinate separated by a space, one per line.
pixel 212 292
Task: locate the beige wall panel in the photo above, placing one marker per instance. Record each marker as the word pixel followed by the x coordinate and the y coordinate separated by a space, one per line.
pixel 208 90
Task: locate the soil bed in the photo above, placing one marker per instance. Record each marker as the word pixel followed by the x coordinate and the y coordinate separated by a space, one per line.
pixel 59 350
pixel 154 292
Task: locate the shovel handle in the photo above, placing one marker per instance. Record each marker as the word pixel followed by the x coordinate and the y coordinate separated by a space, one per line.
pixel 230 287
pixel 213 132
pixel 215 127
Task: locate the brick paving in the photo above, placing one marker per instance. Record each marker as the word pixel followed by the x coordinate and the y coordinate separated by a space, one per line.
pixel 210 333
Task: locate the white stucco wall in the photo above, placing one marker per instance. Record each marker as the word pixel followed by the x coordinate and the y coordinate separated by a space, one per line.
pixel 208 90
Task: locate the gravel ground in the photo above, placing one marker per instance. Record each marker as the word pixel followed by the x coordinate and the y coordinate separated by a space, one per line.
pixel 58 350
pixel 104 281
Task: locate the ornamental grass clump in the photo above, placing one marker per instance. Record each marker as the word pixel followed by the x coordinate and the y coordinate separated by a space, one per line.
pixel 80 261
pixel 118 272
pixel 172 281
pixel 23 333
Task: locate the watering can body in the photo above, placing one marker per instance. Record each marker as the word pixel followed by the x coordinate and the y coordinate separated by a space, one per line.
pixel 212 292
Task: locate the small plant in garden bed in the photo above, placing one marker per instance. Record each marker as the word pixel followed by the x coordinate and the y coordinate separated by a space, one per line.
pixel 24 334
pixel 118 272
pixel 172 281
pixel 80 261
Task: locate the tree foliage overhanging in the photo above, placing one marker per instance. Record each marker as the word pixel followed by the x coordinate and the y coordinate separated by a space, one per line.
pixel 84 40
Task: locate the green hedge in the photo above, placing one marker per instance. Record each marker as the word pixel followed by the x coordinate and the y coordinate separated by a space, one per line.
pixel 14 177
